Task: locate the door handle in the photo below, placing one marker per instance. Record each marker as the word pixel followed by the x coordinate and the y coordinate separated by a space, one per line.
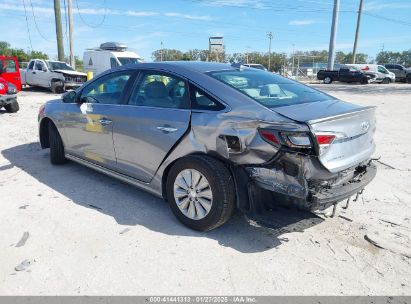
pixel 105 121
pixel 167 129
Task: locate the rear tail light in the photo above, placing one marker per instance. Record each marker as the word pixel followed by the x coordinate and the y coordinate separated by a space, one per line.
pixel 299 140
pixel 269 136
pixel 296 140
pixel 324 141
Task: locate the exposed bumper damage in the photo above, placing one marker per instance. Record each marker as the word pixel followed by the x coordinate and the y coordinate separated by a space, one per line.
pixel 299 179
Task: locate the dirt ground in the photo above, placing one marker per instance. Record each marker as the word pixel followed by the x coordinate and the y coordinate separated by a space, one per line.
pixel 84 233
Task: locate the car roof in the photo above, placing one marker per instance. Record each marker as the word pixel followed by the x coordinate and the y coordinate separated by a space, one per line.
pixel 194 66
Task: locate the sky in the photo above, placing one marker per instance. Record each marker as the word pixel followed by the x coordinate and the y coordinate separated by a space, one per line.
pixel 187 24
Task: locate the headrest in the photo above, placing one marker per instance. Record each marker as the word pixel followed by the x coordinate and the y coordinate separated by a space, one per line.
pixel 155 89
pixel 270 89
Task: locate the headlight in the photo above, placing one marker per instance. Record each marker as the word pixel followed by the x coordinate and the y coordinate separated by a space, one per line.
pixel 12 89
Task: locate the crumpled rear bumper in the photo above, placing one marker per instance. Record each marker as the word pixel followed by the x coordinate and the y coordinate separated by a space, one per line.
pixel 301 180
pixel 328 196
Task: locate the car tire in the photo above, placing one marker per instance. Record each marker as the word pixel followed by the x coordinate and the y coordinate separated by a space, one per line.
pixel 409 79
pixel 12 107
pixel 57 87
pixel 193 213
pixel 327 80
pixel 56 146
pixel 365 81
pixel 386 81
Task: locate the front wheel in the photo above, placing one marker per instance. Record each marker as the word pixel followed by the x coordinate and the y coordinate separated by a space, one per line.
pixel 327 80
pixel 364 81
pixel 57 87
pixel 12 107
pixel 386 81
pixel 200 191
pixel 56 146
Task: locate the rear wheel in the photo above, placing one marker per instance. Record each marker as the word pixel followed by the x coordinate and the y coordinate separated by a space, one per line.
pixel 56 146
pixel 12 107
pixel 327 80
pixel 200 191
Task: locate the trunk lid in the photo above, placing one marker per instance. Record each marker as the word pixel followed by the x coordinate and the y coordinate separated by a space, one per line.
pixel 354 128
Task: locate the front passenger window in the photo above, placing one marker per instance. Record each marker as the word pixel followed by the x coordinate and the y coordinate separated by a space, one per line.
pixel 108 89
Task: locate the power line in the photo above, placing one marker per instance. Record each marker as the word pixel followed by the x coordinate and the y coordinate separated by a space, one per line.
pixel 90 25
pixel 27 23
pixel 35 23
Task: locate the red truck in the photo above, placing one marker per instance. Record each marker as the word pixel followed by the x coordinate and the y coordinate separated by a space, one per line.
pixel 10 83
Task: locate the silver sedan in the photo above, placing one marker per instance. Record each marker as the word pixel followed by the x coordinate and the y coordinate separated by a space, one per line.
pixel 211 138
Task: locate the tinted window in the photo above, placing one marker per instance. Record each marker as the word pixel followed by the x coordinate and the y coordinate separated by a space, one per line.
pixel 267 88
pixel 160 90
pixel 398 67
pixel 389 66
pixel 39 65
pixel 202 101
pixel 31 65
pixel 127 60
pixel 113 62
pixel 10 65
pixel 382 70
pixel 107 89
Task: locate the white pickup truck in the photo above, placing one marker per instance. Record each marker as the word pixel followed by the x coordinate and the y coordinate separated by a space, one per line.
pixel 56 75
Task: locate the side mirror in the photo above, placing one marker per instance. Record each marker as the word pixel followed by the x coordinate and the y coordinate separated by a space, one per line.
pixel 44 69
pixel 70 97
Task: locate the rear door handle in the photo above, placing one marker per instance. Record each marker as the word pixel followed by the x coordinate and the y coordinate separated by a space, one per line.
pixel 105 121
pixel 167 129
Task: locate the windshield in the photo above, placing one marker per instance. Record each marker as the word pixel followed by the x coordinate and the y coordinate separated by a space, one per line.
pixel 269 89
pixel 128 60
pixel 57 65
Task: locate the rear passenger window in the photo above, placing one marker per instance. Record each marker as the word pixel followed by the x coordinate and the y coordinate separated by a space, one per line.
pixel 202 101
pixel 160 90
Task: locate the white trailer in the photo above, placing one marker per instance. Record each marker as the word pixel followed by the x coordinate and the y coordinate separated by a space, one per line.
pixel 109 55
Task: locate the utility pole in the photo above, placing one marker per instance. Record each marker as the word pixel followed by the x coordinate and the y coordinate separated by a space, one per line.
pixel 161 51
pixel 331 50
pixel 354 51
pixel 70 17
pixel 59 31
pixel 270 36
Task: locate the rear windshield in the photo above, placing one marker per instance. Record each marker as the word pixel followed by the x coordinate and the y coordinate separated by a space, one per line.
pixel 269 89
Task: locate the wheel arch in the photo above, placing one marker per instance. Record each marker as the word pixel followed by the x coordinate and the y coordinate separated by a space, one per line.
pixel 166 171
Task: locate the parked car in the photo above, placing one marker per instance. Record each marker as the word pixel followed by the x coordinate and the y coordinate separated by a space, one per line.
pixel 400 71
pixel 194 134
pixel 109 55
pixel 255 66
pixel 382 75
pixel 344 74
pixel 57 76
pixel 9 83
pixel 10 72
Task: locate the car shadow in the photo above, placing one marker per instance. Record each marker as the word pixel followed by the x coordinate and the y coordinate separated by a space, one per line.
pixel 131 206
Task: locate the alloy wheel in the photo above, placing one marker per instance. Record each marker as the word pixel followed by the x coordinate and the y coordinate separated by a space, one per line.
pixel 193 194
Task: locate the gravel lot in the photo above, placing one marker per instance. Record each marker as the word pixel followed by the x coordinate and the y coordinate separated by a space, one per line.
pixel 85 233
